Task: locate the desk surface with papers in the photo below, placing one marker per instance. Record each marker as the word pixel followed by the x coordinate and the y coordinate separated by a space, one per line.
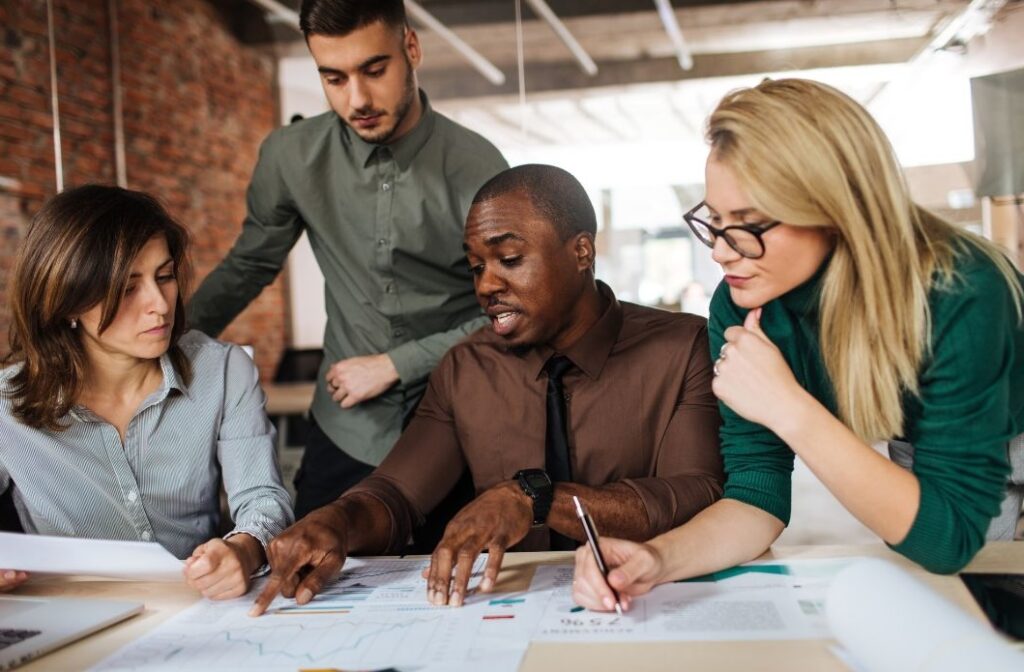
pixel 767 616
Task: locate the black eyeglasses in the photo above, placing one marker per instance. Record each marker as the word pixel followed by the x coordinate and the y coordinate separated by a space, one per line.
pixel 744 238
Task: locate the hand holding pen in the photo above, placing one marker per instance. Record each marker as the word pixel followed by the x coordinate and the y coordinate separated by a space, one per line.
pixel 595 547
pixel 629 569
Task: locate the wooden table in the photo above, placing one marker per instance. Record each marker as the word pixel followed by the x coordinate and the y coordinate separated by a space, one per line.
pixel 164 600
pixel 288 398
pixel 283 400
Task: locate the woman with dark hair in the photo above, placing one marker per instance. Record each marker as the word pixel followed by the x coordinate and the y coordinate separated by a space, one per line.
pixel 115 422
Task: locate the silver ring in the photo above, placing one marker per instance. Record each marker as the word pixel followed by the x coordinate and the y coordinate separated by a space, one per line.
pixel 714 368
pixel 721 351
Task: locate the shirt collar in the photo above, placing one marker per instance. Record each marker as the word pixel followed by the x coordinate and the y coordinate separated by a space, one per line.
pixel 804 299
pixel 404 149
pixel 171 381
pixel 591 351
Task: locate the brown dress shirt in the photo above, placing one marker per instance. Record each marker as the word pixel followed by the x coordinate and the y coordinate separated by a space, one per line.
pixel 639 407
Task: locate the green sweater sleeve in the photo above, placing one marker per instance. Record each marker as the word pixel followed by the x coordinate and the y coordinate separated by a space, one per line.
pixel 961 423
pixel 272 226
pixel 758 465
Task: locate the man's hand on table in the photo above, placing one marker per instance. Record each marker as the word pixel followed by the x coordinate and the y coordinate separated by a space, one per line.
pixel 357 379
pixel 305 557
pixel 495 520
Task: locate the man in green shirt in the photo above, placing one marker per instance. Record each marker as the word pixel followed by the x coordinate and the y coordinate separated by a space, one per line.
pixel 382 185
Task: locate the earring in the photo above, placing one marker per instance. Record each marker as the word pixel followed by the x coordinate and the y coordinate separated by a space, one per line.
pixel 74 323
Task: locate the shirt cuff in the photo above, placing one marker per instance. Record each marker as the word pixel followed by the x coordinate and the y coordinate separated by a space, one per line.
pixel 938 539
pixel 403 517
pixel 409 362
pixel 770 492
pixel 263 539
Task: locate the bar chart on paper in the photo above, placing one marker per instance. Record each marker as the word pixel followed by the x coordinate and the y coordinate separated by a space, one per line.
pixel 375 615
pixel 761 600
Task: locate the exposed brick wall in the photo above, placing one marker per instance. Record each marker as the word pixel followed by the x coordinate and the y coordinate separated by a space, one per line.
pixel 196 102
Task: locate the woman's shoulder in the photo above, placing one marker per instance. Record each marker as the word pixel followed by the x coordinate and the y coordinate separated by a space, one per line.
pixel 208 356
pixel 976 278
pixel 7 374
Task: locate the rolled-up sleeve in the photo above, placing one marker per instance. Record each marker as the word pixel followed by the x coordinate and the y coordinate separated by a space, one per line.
pixel 414 360
pixel 687 475
pixel 424 465
pixel 259 504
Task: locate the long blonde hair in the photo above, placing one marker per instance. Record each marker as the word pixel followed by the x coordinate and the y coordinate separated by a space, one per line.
pixel 809 155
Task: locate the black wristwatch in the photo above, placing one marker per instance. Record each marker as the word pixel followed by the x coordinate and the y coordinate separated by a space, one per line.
pixel 538 486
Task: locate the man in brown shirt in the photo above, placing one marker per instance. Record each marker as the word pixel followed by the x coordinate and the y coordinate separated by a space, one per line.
pixel 631 402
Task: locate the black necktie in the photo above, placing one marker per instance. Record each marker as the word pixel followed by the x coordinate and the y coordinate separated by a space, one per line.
pixel 556 442
pixel 557 439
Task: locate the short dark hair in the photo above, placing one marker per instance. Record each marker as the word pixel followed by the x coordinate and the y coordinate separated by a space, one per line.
pixel 341 17
pixel 554 193
pixel 77 253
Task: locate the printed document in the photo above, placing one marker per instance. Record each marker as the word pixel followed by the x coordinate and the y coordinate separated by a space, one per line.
pixel 375 615
pixel 772 600
pixel 132 560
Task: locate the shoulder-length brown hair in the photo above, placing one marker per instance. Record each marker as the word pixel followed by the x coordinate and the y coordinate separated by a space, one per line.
pixel 78 253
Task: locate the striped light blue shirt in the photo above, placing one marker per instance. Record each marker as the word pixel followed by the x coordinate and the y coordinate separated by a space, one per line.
pixel 163 483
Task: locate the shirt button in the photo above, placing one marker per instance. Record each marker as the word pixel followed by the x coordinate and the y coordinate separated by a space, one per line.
pixel 398 333
pixel 385 186
pixel 390 289
pixel 382 242
pixel 146 536
pixel 132 496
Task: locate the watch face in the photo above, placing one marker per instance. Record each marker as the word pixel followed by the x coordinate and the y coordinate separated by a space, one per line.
pixel 537 481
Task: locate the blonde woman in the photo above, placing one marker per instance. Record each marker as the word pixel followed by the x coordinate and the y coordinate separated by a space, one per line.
pixel 848 315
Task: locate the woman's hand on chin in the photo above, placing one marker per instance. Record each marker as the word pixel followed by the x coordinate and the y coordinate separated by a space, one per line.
pixel 752 377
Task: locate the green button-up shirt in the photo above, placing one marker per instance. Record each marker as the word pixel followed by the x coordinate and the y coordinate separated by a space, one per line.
pixel 385 224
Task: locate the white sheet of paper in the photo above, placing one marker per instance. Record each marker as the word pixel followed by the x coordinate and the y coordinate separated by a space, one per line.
pixel 375 615
pixel 889 621
pixel 132 560
pixel 765 600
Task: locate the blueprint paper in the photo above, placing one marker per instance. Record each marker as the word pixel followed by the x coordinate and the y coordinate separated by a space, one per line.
pixel 374 616
pixel 133 560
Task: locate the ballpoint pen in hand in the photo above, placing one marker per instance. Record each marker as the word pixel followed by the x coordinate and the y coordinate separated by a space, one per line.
pixel 591 531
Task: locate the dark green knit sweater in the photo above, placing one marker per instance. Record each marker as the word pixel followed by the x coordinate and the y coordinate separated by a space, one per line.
pixel 971 403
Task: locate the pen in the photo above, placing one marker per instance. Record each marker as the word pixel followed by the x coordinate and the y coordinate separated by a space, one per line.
pixel 591 531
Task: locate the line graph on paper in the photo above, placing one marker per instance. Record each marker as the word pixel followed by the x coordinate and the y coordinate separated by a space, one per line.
pixel 375 615
pixel 368 641
pixel 376 582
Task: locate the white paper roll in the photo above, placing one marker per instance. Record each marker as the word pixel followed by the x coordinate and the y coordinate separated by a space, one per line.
pixel 890 621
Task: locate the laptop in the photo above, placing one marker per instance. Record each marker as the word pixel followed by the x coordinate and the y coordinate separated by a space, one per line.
pixel 32 626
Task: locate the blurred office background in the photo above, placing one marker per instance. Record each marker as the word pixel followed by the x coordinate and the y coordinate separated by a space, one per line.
pixel 174 97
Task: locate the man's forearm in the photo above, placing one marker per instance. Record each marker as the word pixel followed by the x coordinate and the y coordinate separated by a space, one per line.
pixel 414 360
pixel 616 508
pixel 367 521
